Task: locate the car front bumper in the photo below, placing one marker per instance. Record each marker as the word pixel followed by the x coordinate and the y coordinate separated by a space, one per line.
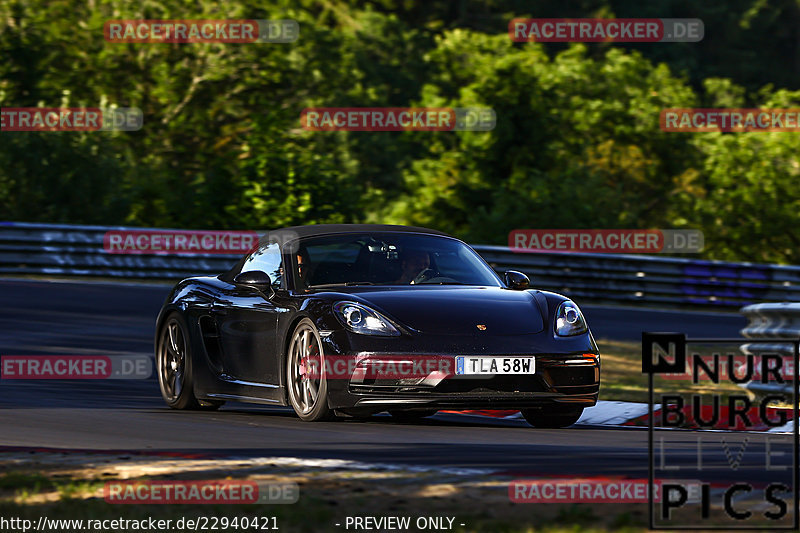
pixel 559 379
pixel 567 372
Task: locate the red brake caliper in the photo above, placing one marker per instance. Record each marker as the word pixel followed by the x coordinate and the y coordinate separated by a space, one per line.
pixel 305 364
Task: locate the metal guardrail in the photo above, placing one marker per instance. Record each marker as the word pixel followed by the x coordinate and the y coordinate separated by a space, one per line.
pixel 68 250
pixel 71 250
pixel 652 280
pixel 776 320
pixel 771 321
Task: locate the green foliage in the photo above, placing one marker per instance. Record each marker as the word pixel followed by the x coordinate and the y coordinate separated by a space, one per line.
pixel 577 142
pixel 749 202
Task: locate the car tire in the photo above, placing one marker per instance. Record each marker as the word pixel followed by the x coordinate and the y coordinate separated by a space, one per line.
pixel 412 416
pixel 174 366
pixel 308 396
pixel 552 417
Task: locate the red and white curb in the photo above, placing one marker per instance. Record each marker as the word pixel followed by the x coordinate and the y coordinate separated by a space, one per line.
pixel 625 414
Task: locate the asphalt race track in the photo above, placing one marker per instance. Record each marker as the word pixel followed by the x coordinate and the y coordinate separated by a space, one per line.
pixel 61 318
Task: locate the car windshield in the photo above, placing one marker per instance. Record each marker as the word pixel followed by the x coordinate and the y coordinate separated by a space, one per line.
pixel 388 259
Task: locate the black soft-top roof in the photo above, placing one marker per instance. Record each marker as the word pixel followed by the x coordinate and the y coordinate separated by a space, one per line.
pixel 330 229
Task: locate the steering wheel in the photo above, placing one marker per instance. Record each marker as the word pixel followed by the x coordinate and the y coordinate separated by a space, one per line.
pixel 423 276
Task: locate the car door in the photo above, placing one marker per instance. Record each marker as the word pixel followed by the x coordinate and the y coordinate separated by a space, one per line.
pixel 247 322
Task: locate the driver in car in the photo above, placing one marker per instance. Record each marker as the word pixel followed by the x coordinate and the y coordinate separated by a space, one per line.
pixel 412 264
pixel 303 269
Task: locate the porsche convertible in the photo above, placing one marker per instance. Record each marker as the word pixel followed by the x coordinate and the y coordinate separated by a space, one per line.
pixel 352 320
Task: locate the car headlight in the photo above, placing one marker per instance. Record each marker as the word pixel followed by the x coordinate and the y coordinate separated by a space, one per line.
pixel 569 320
pixel 361 319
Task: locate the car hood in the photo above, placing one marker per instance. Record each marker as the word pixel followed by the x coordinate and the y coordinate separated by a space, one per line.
pixel 458 310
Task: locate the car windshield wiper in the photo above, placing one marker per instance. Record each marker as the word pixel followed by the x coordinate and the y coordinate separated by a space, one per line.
pixel 348 284
pixel 443 283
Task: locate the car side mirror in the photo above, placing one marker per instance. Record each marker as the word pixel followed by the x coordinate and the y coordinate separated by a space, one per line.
pixel 256 279
pixel 517 280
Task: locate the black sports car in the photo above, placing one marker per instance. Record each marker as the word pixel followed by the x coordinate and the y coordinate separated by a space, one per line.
pixel 357 319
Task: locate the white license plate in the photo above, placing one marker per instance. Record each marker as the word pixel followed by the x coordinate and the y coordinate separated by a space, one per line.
pixel 494 365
